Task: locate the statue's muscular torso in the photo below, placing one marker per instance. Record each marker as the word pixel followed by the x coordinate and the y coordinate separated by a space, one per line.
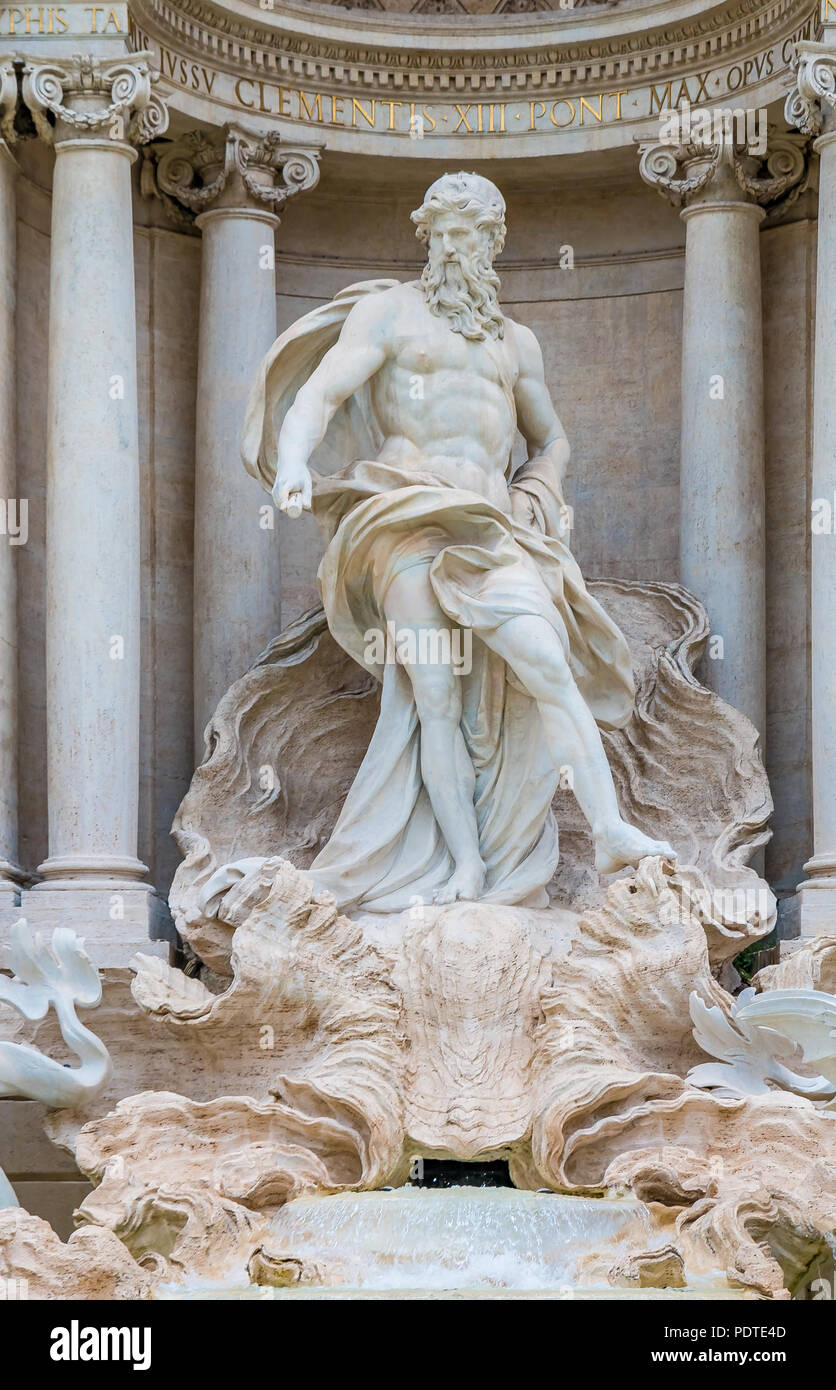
pixel 444 403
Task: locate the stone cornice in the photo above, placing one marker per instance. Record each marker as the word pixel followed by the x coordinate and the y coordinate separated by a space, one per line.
pixel 377 53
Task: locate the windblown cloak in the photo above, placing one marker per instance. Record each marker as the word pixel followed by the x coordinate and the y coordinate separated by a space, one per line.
pixel 386 852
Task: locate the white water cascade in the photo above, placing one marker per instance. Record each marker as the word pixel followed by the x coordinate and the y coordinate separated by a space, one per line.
pixel 453 1242
pixel 460 1238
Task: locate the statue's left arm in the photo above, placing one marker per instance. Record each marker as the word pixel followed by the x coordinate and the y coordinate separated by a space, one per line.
pixel 537 488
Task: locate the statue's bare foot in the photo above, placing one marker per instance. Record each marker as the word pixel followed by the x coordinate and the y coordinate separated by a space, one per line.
pixel 622 845
pixel 465 885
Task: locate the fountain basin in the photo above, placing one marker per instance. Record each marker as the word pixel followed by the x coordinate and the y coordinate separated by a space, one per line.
pixel 458 1237
pixel 491 1239
pixel 456 1242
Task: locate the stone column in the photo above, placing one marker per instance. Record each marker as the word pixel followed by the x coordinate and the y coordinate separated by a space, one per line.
pixel 236 185
pixel 11 508
pixel 720 187
pixel 811 105
pixel 92 876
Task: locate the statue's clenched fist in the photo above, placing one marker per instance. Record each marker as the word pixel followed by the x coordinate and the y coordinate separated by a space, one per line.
pixel 292 489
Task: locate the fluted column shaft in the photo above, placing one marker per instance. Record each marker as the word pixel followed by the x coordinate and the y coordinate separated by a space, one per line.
pixel 93 496
pixel 720 183
pixel 235 183
pixel 92 635
pixel 236 557
pixel 722 445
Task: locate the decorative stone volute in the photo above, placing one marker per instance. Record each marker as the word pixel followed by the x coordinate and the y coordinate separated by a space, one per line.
pixel 811 105
pixel 248 169
pixel 721 167
pixel 91 97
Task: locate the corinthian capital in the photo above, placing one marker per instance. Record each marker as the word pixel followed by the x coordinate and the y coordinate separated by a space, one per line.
pixel 811 104
pixel 93 96
pixel 719 162
pixel 240 169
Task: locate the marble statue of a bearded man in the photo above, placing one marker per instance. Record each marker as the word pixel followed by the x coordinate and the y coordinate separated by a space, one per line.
pixel 392 412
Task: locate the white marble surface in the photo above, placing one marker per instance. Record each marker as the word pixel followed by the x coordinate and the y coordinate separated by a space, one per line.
pixel 92 601
pixel 59 976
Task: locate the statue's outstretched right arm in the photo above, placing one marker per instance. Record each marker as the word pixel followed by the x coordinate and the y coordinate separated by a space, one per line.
pixel 358 354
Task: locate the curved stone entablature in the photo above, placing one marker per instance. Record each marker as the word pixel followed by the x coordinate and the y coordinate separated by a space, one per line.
pixel 491 85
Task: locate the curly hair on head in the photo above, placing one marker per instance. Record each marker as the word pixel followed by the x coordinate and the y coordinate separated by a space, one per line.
pixel 470 194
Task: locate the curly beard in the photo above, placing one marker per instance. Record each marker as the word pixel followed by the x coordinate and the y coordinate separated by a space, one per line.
pixel 465 290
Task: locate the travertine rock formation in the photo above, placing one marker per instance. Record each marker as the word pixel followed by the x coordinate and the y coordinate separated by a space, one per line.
pixel 93 1263
pixel 561 1042
pixel 287 740
pixel 316 1053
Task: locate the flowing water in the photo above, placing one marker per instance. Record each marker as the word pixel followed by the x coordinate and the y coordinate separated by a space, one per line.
pixel 453 1242
pixel 460 1237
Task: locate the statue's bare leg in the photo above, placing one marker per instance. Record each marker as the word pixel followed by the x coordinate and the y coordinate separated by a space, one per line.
pixel 446 768
pixel 533 650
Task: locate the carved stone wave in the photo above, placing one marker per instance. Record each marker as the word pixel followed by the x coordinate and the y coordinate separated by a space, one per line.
pixel 559 1042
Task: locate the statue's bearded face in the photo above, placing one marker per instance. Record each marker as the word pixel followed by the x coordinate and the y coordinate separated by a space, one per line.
pixel 459 280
